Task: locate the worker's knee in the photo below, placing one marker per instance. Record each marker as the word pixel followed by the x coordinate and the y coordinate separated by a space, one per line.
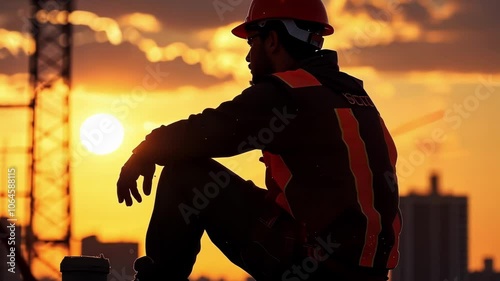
pixel 196 172
pixel 200 179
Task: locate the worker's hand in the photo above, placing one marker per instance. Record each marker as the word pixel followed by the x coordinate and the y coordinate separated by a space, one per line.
pixel 127 182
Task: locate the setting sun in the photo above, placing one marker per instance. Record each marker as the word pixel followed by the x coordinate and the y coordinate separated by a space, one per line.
pixel 101 133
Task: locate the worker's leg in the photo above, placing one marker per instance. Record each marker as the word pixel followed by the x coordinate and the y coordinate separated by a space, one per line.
pixel 251 231
pixel 264 242
pixel 194 196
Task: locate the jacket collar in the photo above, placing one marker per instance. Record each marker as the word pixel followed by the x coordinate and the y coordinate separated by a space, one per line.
pixel 323 59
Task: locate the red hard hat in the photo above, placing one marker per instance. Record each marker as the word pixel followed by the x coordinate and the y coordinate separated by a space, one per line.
pixel 306 10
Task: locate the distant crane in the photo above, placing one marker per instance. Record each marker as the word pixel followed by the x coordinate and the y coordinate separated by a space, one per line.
pixel 427 146
pixel 417 123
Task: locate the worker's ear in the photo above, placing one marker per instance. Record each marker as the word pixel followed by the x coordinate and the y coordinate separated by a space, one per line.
pixel 272 42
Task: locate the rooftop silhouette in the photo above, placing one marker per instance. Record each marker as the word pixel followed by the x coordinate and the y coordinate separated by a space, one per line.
pixel 434 239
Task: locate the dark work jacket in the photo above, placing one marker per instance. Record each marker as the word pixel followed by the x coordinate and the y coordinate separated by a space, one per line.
pixel 330 160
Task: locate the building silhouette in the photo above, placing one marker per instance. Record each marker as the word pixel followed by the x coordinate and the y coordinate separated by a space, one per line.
pixel 488 273
pixel 434 238
pixel 121 256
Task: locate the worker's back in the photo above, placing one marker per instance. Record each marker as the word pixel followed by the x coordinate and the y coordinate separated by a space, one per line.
pixel 335 160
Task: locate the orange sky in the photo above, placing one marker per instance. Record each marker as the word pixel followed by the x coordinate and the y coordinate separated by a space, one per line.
pixel 410 55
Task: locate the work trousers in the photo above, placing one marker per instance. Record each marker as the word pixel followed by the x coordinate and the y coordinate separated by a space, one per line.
pixel 250 229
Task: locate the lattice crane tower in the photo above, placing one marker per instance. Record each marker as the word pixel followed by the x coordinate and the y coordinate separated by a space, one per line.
pixel 49 231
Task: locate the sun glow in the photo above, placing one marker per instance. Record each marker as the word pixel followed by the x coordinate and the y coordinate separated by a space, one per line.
pixel 101 133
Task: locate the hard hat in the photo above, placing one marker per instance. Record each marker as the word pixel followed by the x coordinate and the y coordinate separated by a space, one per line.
pixel 306 10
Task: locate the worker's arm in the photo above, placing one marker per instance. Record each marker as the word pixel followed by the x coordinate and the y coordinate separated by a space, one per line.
pixel 233 128
pixel 230 129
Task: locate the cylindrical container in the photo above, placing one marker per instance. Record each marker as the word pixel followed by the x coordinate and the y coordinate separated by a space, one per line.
pixel 84 268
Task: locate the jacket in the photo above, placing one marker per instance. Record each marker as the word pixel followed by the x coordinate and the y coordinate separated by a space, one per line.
pixel 330 160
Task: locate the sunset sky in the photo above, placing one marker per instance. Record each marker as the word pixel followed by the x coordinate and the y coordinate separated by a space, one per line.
pixel 154 62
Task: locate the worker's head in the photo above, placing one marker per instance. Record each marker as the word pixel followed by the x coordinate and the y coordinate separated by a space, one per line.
pixel 283 32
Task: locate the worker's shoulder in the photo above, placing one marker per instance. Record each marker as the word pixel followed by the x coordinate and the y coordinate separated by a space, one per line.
pixel 280 81
pixel 265 91
pixel 298 78
pixel 265 85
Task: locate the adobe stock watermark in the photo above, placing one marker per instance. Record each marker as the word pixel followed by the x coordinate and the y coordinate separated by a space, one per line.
pixel 11 220
pixel 220 180
pixel 321 252
pixel 454 118
pixel 202 198
pixel 116 275
pixel 223 6
pixel 266 135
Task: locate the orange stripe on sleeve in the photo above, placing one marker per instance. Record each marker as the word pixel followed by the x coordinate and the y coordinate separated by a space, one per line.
pixel 358 161
pixel 281 176
pixel 283 202
pixel 394 256
pixel 298 78
pixel 280 172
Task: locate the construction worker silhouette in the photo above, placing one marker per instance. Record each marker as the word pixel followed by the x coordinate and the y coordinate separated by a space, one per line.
pixel 330 207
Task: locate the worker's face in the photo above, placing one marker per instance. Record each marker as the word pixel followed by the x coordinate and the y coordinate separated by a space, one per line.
pixel 259 60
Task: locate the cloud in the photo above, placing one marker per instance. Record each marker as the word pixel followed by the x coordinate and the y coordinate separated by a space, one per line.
pixel 393 36
pixel 106 25
pixel 123 68
pixel 473 55
pixel 142 22
pixel 471 15
pixel 14 89
pixel 415 12
pixel 218 59
pixel 412 10
pixel 16 42
pixel 186 15
pixel 370 26
pixel 417 35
